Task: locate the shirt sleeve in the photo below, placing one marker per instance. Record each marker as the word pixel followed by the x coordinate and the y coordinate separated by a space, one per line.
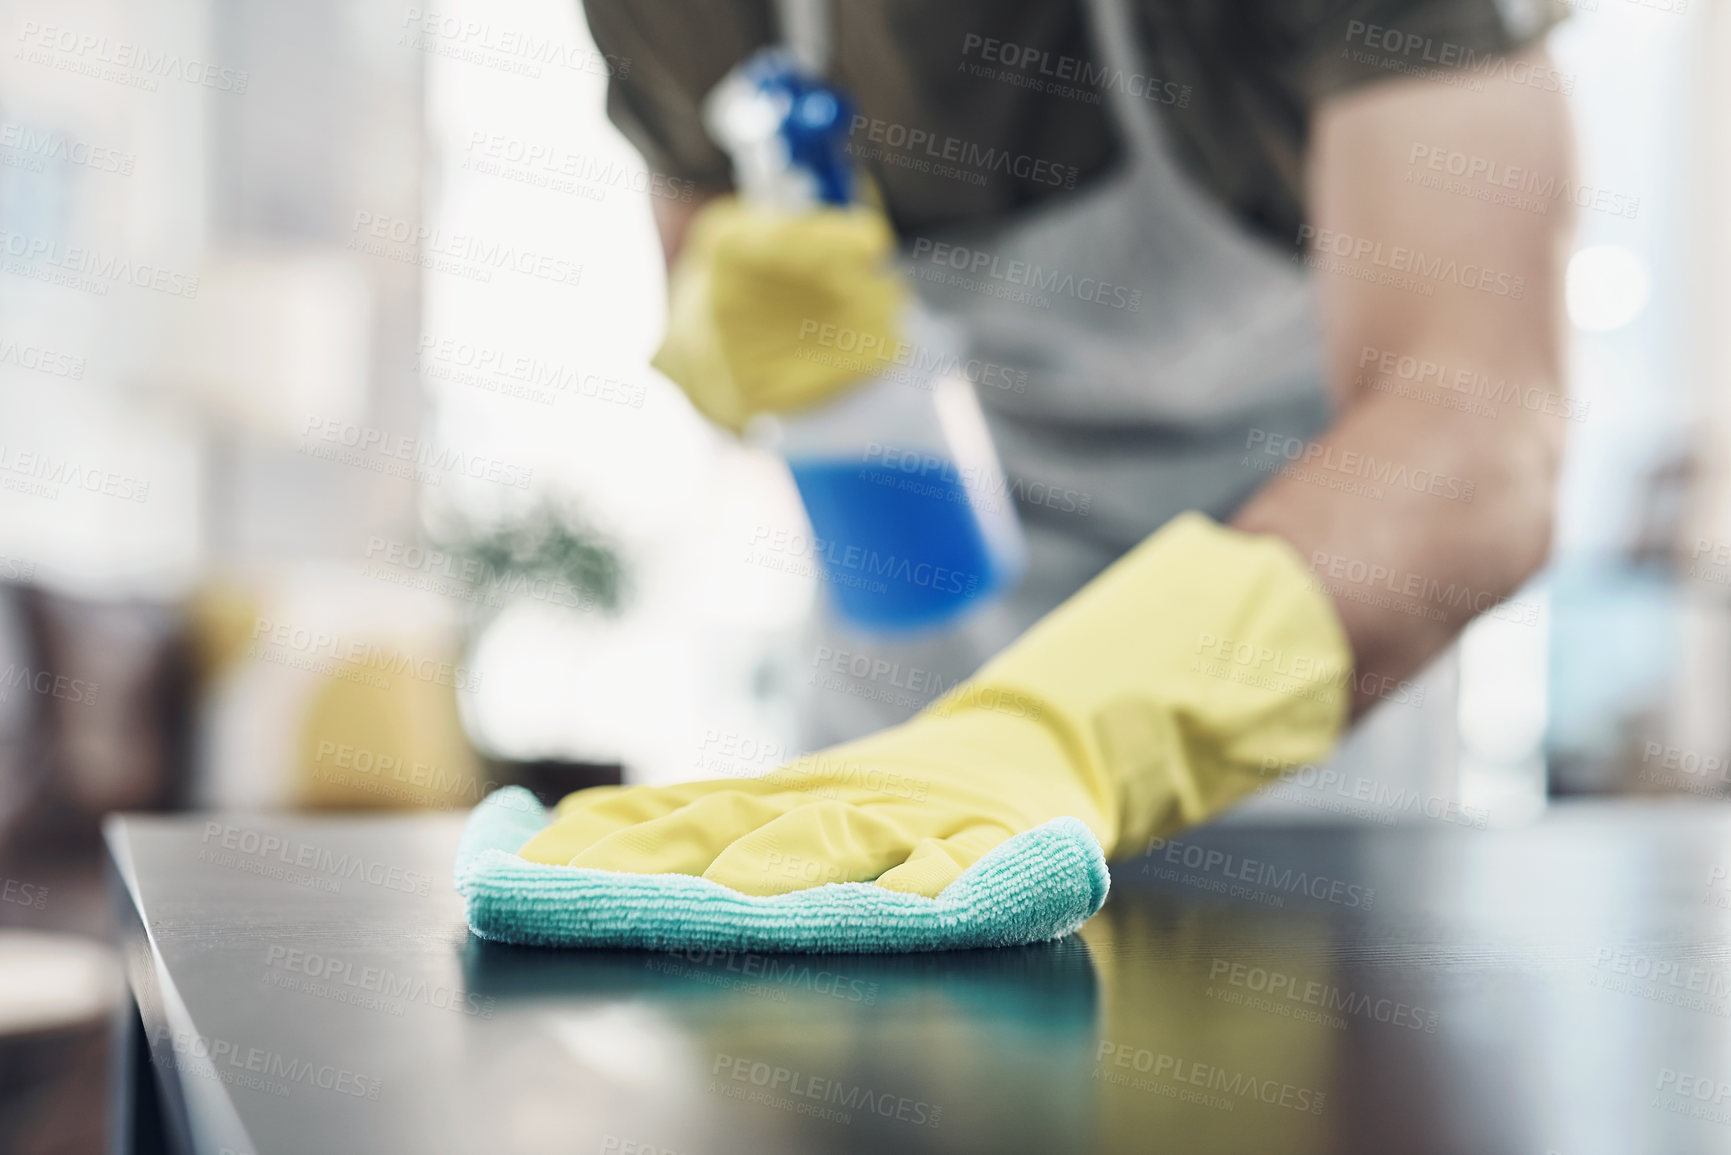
pixel 1251 74
pixel 666 55
pixel 1342 44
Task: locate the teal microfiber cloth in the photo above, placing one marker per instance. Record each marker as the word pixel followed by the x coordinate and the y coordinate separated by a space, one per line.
pixel 1041 884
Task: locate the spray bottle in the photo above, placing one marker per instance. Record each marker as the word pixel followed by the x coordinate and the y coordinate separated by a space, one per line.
pixel 914 523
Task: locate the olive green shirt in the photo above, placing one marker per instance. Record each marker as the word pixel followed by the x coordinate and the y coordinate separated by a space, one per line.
pixel 969 109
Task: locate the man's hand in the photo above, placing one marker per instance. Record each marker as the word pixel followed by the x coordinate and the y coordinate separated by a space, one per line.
pixel 772 311
pixel 1192 671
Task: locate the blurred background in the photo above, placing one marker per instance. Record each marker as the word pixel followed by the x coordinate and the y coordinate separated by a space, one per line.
pixel 333 474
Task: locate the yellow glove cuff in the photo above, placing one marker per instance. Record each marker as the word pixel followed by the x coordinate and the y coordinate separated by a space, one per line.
pixel 1183 677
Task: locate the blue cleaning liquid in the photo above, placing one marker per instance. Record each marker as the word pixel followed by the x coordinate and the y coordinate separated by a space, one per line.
pixel 901 551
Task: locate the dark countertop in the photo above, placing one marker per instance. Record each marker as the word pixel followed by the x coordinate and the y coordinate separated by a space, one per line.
pixel 308 985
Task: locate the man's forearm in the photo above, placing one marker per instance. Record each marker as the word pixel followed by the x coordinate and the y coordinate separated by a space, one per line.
pixel 1431 496
pixel 673 220
pixel 1442 514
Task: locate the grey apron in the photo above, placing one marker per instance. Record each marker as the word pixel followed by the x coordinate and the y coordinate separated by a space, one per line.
pixel 1167 334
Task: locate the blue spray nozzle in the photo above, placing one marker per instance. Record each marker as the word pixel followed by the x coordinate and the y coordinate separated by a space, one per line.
pixel 809 119
pixel 816 130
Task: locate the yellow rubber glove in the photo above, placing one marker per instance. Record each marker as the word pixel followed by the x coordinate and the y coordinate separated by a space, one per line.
pixel 771 311
pixel 1160 693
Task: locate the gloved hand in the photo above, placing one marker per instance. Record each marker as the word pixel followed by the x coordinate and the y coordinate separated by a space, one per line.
pixel 772 311
pixel 1152 699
